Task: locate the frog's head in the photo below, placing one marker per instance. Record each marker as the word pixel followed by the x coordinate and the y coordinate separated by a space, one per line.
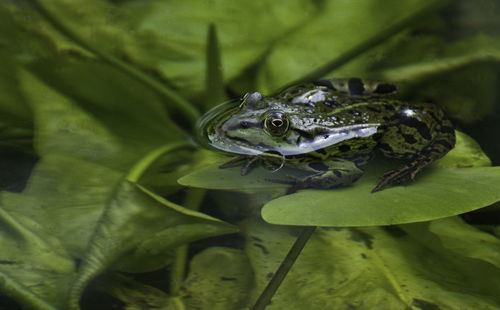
pixel 252 125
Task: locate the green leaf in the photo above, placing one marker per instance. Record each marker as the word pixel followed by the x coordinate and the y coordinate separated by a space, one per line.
pixel 437 193
pixel 466 153
pixel 365 268
pixel 136 233
pixel 213 177
pixel 169 38
pixel 219 278
pixel 35 269
pixel 460 238
pixel 66 195
pixel 334 31
pixel 136 295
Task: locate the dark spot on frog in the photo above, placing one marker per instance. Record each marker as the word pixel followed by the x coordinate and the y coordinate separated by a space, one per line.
pixel 389 107
pixel 373 109
pixel 421 127
pixel 385 147
pixel 228 279
pixel 434 116
pixel 448 130
pixel 385 88
pixel 321 151
pixel 409 139
pixel 318 166
pixel 363 147
pixel 444 143
pixel 325 83
pixel 356 86
pixel 344 148
pixel 337 173
pixel 244 125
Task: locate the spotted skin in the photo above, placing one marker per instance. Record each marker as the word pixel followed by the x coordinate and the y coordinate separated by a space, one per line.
pixel 328 130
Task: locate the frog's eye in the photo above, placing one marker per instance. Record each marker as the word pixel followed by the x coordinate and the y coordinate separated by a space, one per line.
pixel 276 124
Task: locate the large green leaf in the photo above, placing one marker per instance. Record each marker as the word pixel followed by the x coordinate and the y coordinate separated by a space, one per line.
pixel 438 192
pixel 334 31
pixel 35 269
pixel 136 233
pixel 371 268
pixel 170 37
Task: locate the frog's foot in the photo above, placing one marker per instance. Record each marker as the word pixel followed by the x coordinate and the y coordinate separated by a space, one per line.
pixel 399 175
pixel 247 163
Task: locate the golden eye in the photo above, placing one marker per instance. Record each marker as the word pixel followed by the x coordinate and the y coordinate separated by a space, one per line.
pixel 276 124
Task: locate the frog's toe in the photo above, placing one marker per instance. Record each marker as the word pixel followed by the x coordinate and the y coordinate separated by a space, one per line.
pixel 396 176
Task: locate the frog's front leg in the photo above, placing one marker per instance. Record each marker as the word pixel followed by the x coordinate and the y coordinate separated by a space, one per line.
pixel 329 173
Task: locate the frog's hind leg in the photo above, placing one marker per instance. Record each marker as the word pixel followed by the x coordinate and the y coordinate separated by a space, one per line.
pixel 329 173
pixel 441 143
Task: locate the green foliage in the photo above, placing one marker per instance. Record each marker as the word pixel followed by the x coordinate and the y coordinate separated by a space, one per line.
pixel 106 95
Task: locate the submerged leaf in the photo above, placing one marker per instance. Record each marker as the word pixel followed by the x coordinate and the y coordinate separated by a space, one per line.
pixel 137 232
pixel 35 269
pixel 369 268
pixel 219 279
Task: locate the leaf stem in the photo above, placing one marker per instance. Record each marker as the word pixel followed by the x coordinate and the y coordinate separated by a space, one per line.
pixel 172 96
pixel 273 285
pixel 142 165
pixel 369 43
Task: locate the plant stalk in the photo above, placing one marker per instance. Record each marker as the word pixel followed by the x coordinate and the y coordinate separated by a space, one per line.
pixel 278 277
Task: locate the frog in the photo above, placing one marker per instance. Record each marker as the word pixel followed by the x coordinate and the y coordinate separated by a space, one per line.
pixel 327 132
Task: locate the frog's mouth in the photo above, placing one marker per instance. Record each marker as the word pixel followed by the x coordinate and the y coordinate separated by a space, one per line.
pixel 205 125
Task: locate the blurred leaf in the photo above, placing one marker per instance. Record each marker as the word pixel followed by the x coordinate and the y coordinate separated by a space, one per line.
pixel 136 295
pixel 169 38
pixel 463 239
pixel 83 109
pixel 136 233
pixel 219 279
pixel 35 269
pixel 336 29
pixel 367 268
